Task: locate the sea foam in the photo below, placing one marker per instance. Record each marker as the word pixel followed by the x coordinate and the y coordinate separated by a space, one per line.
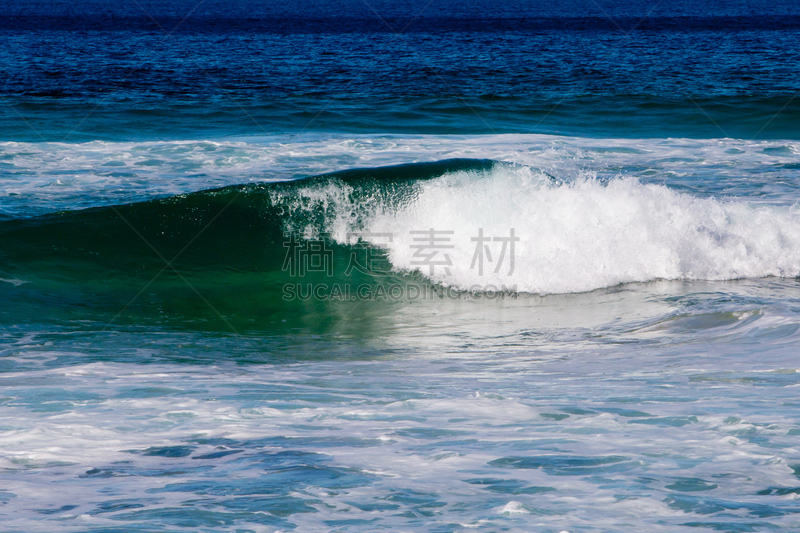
pixel 576 235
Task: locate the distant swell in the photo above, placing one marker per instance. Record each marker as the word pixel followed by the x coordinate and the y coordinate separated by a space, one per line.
pixel 369 23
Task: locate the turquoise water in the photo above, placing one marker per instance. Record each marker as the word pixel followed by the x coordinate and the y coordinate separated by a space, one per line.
pixel 516 267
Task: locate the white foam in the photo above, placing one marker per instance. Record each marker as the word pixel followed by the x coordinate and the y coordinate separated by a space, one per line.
pixel 583 234
pixel 48 453
pixel 14 281
pixel 512 508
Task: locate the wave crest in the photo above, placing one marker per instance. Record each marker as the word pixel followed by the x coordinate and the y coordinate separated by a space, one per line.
pixel 573 236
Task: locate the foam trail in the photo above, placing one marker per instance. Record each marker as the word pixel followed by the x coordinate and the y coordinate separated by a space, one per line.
pixel 587 234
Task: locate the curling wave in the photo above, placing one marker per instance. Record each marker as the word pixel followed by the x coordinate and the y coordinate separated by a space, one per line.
pixel 450 224
pixel 573 236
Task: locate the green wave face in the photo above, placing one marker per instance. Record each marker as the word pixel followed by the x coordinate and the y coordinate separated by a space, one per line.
pixel 237 258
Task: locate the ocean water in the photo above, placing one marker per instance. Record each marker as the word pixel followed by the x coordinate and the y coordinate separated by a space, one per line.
pixel 379 266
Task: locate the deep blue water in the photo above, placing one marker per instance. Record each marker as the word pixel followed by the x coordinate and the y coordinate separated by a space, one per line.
pixel 83 71
pixel 216 313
